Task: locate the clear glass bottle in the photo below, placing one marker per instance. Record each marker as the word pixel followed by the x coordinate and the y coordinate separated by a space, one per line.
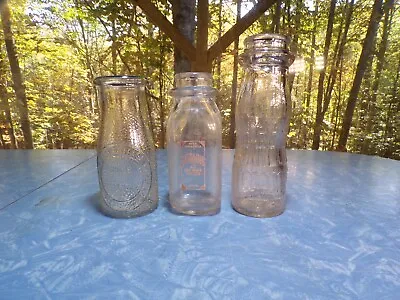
pixel 194 146
pixel 262 117
pixel 126 159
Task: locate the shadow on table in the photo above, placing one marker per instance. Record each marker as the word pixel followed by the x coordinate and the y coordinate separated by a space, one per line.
pixel 94 202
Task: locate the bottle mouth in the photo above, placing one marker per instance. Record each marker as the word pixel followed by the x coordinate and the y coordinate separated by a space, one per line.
pixel 120 81
pixel 193 79
pixel 193 84
pixel 267 49
pixel 195 91
pixel 267 41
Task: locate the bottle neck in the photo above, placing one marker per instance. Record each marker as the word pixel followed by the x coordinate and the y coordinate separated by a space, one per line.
pixel 193 79
pixel 193 84
pixel 271 62
pixel 265 68
pixel 267 52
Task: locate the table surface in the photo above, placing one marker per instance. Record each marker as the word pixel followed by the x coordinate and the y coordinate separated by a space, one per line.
pixel 339 237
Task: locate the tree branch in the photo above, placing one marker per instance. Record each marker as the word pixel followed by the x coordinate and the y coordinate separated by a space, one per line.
pixel 237 29
pixel 202 37
pixel 162 22
pixel 110 36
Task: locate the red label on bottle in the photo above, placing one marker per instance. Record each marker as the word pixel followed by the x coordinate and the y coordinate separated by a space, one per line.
pixel 193 165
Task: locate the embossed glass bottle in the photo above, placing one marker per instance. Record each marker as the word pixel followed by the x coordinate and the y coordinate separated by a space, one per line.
pixel 262 115
pixel 194 146
pixel 126 159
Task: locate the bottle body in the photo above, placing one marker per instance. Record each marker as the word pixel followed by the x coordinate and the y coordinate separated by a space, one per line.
pixel 194 148
pixel 126 159
pixel 262 115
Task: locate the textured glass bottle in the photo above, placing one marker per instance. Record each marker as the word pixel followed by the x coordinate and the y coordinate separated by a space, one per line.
pixel 194 146
pixel 262 115
pixel 126 160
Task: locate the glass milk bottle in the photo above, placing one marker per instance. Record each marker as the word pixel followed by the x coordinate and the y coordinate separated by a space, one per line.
pixel 126 159
pixel 194 146
pixel 262 116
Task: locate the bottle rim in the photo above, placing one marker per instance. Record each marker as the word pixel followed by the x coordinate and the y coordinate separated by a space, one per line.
pixel 272 41
pixel 267 35
pixel 267 49
pixel 194 75
pixel 120 80
pixel 193 79
pixel 193 84
pixel 193 91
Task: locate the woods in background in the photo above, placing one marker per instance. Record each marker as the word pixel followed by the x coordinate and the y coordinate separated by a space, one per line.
pixel 344 82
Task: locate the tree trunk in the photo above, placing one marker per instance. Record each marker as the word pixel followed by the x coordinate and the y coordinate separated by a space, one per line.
pixel 338 57
pixel 388 6
pixel 2 142
pixel 161 90
pixel 5 104
pixel 338 104
pixel 295 41
pixel 18 85
pixel 306 116
pixel 143 71
pixel 286 17
pixel 88 61
pixel 183 15
pixel 277 17
pixel 366 54
pixel 312 58
pixel 319 116
pixel 389 122
pixel 219 58
pixel 114 48
pixel 232 139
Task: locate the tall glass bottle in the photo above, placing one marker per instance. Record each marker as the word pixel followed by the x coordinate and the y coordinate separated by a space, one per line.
pixel 262 116
pixel 126 159
pixel 194 146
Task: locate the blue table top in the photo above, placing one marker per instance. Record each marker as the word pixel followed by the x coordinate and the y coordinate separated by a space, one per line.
pixel 339 237
pixel 21 172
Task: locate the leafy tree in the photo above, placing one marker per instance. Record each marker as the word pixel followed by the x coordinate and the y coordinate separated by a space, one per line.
pixel 62 46
pixel 18 85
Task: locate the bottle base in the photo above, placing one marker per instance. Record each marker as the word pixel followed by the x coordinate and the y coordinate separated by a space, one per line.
pixel 108 211
pixel 195 203
pixel 259 207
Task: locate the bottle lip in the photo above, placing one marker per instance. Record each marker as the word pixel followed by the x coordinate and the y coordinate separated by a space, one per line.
pixel 267 36
pixel 265 42
pixel 193 79
pixel 193 84
pixel 193 91
pixel 193 75
pixel 119 80
pixel 267 49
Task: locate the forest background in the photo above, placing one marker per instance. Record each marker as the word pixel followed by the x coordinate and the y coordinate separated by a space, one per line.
pixel 344 82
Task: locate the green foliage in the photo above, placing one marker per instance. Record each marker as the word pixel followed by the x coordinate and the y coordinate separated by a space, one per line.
pixel 64 45
pixel 57 88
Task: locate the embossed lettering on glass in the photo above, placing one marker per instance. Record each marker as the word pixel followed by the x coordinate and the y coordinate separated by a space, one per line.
pixel 126 159
pixel 194 146
pixel 262 116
